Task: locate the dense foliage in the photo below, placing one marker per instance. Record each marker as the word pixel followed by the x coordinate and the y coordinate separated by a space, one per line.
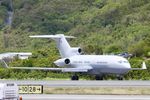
pixel 101 27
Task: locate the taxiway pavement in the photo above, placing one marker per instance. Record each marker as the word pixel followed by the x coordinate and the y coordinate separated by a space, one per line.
pixel 81 83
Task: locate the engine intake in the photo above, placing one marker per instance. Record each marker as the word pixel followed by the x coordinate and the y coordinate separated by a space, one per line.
pixel 76 50
pixel 80 50
pixel 67 61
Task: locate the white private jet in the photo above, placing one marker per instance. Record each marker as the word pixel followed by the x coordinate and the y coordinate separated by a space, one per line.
pixel 97 65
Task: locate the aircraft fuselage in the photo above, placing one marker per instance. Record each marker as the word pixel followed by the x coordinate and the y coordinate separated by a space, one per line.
pixel 99 63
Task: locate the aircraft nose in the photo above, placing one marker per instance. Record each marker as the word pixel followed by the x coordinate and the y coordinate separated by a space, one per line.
pixel 127 66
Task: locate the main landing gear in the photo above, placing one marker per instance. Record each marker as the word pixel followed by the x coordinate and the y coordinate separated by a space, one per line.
pixel 99 77
pixel 74 77
pixel 119 77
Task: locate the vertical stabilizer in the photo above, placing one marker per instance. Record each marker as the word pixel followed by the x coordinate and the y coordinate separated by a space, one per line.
pixel 62 44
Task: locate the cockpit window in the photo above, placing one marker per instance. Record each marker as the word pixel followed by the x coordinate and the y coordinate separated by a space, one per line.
pixel 120 61
pixel 123 61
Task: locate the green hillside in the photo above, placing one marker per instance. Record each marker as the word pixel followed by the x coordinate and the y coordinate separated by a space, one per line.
pixel 101 27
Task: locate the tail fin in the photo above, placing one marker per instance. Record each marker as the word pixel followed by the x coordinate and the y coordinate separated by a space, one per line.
pixel 62 44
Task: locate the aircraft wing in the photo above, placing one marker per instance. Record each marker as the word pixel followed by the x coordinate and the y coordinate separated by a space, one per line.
pixel 53 69
pixel 37 68
pixel 142 68
pixel 76 69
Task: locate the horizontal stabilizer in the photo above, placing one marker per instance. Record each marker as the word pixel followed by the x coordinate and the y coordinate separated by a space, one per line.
pixel 51 36
pixel 62 44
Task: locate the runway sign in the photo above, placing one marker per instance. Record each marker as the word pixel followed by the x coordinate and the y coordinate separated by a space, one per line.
pixel 30 89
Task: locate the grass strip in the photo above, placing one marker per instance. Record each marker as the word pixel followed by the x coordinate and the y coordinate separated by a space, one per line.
pixel 98 90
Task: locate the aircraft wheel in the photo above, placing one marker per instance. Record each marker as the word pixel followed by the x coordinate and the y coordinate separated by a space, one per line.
pixel 97 77
pixel 120 77
pixel 74 77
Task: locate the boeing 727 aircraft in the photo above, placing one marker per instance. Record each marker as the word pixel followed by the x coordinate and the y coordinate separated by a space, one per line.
pixel 97 65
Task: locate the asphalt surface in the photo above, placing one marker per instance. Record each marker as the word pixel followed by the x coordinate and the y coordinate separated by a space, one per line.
pixel 67 83
pixel 85 97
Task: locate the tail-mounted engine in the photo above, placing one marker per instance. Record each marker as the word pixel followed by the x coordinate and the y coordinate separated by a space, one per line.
pixel 67 61
pixel 63 62
pixel 76 50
